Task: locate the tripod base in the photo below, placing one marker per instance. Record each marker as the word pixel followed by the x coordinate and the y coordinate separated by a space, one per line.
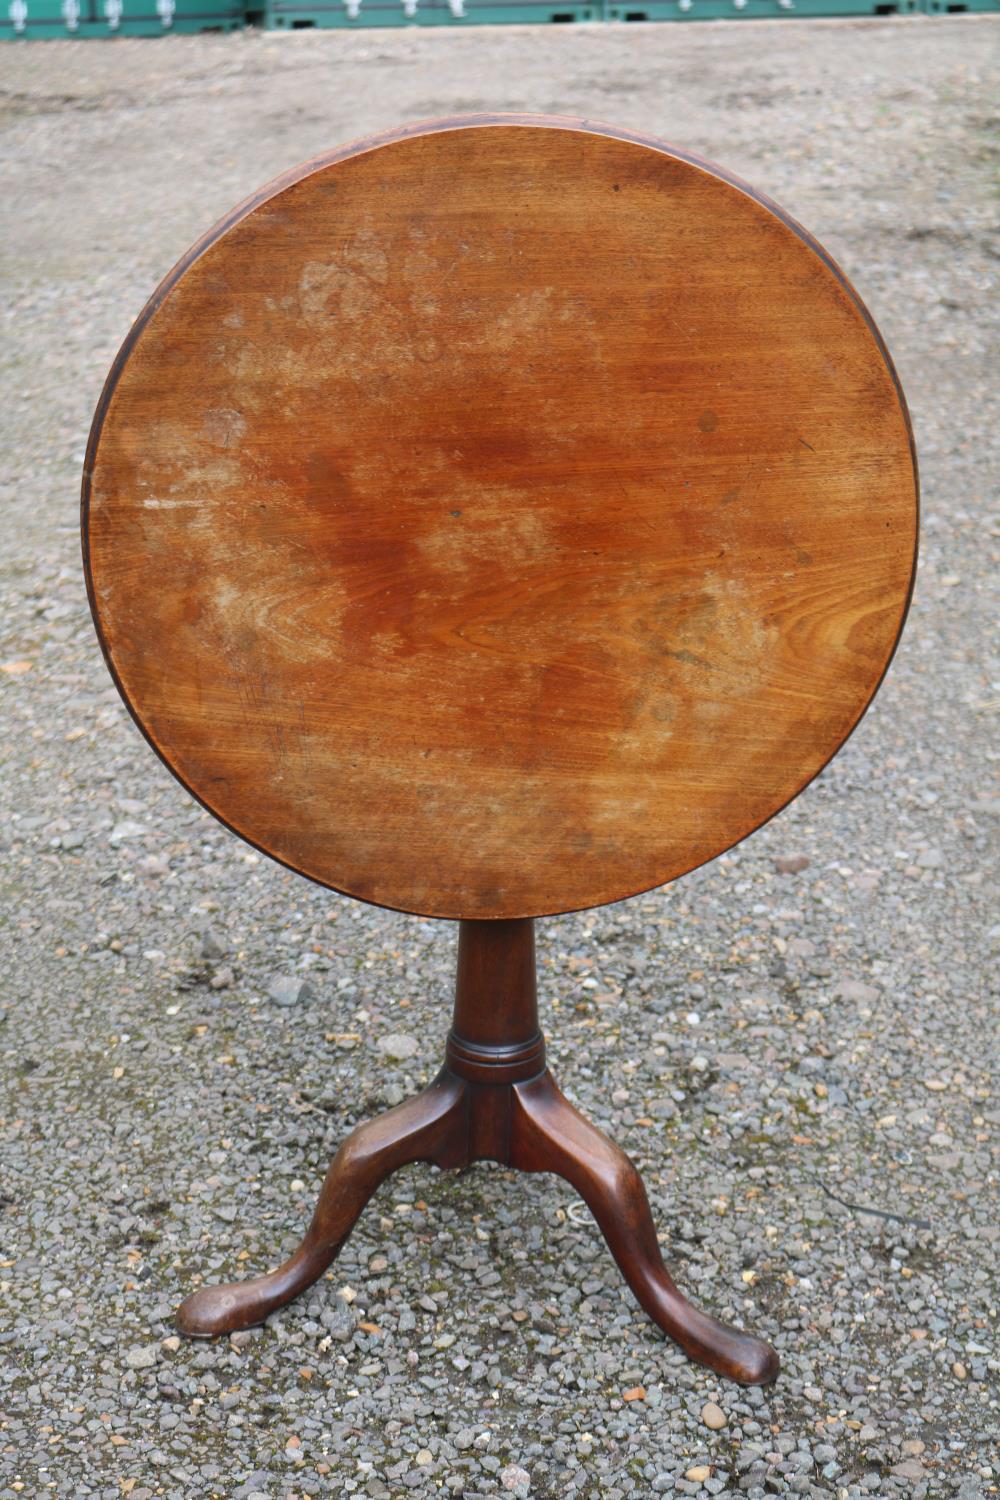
pixel 493 1100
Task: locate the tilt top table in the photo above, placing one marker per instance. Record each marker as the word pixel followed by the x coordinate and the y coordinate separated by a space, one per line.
pixel 491 519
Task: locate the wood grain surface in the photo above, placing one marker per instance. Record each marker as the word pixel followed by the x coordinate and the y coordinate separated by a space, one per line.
pixel 500 517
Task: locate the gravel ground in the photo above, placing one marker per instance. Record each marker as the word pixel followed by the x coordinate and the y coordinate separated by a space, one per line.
pixel 793 1043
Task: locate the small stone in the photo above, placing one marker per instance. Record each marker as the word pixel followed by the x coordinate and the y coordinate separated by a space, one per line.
pixel 514 1478
pixel 172 1344
pixel 912 1447
pixel 936 1085
pixel 141 1357
pixel 424 1457
pixel 339 1322
pixel 713 1416
pixel 698 1473
pixel 634 1393
pixel 222 979
pixel 910 1468
pixel 791 864
pixel 241 1338
pixel 126 829
pixel 286 990
pixel 959 1371
pixel 211 945
pixel 853 989
pixel 398 1045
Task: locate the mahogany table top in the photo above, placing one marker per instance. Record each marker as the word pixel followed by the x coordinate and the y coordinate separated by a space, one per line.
pixel 500 517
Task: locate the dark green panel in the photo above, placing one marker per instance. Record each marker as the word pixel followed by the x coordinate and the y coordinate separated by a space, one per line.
pixel 34 19
pixel 748 10
pixel 942 8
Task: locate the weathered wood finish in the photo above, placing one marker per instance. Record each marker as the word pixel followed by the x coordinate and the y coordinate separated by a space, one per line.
pixel 501 517
pixel 494 1100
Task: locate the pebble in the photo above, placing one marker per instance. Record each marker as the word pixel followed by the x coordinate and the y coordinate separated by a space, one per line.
pixel 212 945
pixel 856 991
pixel 713 1416
pixel 339 1321
pixel 698 1473
pixel 287 990
pixel 141 1357
pixel 126 829
pixel 398 1045
pixel 910 1468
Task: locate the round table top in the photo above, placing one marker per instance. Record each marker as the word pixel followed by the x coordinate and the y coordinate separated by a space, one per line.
pixel 500 517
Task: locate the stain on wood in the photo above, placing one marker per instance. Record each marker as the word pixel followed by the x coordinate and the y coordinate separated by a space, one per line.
pixel 500 517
